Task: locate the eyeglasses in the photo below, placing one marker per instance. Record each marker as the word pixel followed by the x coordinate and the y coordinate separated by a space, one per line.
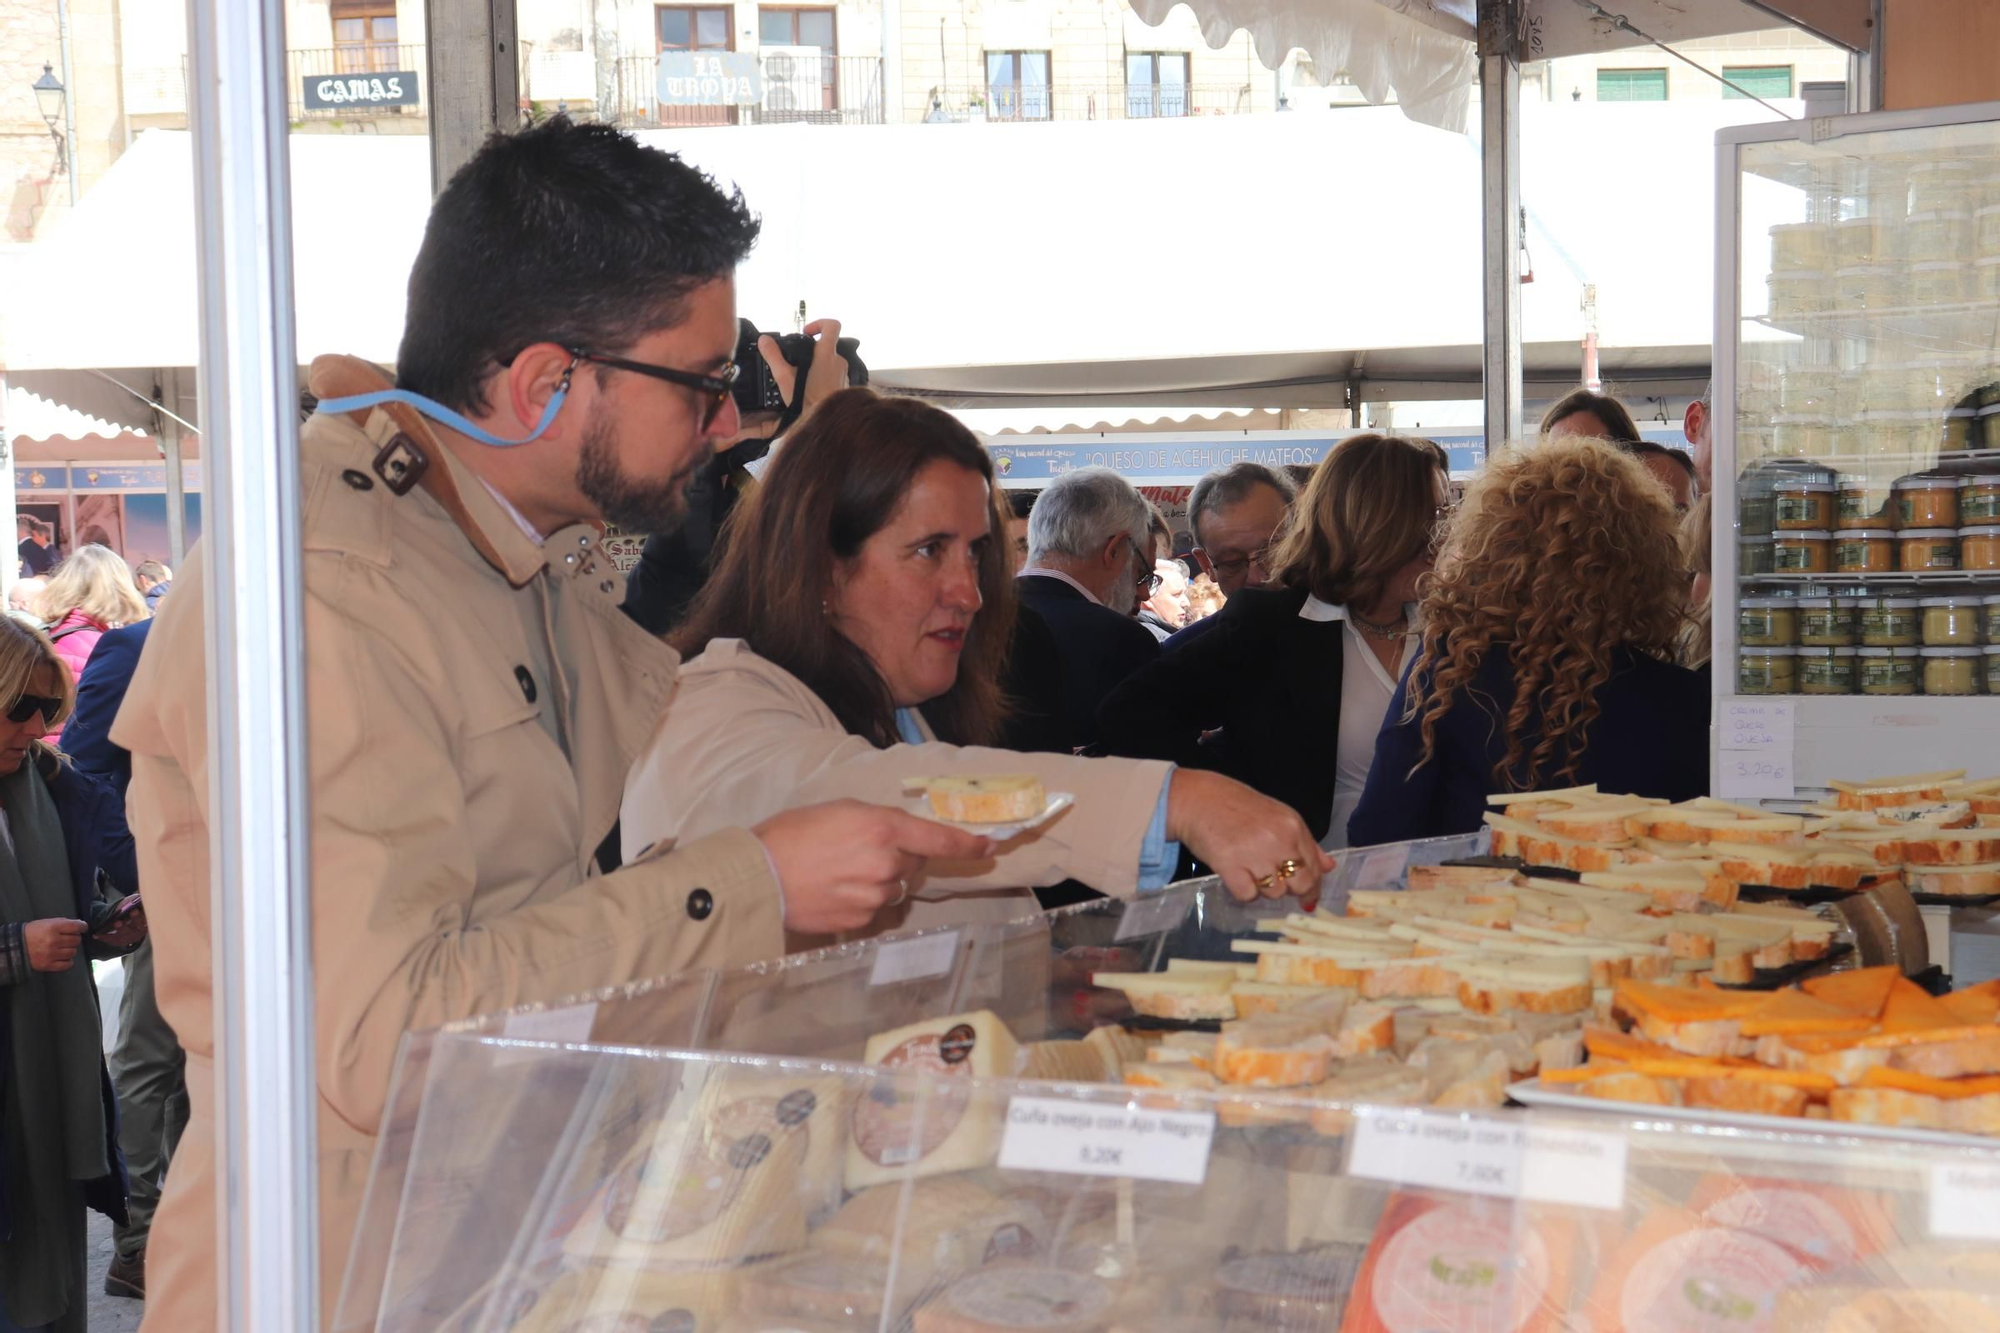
pixel 1237 565
pixel 718 385
pixel 1148 582
pixel 28 705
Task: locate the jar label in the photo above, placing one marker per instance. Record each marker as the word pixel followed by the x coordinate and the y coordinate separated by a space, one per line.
pixel 1797 558
pixel 1889 673
pixel 1855 505
pixel 1942 555
pixel 1756 624
pixel 1801 510
pixel 1851 555
pixel 1976 509
pixel 1753 679
pixel 1827 673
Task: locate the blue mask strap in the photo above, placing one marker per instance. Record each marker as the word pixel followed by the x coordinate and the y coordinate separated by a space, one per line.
pixel 439 412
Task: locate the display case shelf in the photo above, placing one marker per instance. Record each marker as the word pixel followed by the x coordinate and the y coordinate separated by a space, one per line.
pixel 1955 328
pixel 1930 460
pixel 1948 578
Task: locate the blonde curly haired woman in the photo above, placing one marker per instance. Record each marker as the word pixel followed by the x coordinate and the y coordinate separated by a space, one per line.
pixel 1550 639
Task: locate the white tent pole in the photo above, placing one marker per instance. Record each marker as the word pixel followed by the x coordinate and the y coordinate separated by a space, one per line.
pixel 10 568
pixel 267 1220
pixel 1500 167
pixel 171 443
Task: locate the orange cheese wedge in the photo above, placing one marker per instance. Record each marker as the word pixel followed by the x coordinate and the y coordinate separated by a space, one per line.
pixel 1881 1076
pixel 1864 990
pixel 1685 1004
pixel 1913 1014
pixel 1688 1066
pixel 1793 1012
pixel 1585 1073
pixel 1974 1004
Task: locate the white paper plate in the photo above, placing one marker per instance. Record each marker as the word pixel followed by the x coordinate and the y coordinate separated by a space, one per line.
pixel 1531 1092
pixel 1058 801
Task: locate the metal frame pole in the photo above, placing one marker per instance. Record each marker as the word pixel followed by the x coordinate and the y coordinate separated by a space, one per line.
pixel 267 1216
pixel 475 73
pixel 1500 170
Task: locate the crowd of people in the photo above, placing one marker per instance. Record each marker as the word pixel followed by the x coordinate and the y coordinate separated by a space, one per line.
pixel 531 776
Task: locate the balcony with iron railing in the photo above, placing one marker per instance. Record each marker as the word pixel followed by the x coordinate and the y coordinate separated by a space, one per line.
pixel 1074 101
pixel 832 90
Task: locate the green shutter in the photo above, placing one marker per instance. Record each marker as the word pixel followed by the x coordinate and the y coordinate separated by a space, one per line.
pixel 1631 85
pixel 1766 81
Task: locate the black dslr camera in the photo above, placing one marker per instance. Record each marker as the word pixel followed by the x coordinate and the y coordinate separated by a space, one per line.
pixel 757 391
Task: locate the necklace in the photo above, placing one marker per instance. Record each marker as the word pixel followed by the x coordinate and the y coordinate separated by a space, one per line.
pixel 1395 629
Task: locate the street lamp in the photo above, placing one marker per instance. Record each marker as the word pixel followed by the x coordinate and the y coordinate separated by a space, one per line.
pixel 49 97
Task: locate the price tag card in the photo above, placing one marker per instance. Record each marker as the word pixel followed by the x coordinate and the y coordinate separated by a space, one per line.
pixel 571 1023
pixel 1757 724
pixel 1965 1200
pixel 1542 1163
pixel 1756 773
pixel 1099 1139
pixel 1150 916
pixel 913 960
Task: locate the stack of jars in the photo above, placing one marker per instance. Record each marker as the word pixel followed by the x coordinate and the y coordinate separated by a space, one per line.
pixel 1897 643
pixel 1820 524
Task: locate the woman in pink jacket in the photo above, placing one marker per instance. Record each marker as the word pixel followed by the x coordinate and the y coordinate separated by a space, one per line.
pixel 90 592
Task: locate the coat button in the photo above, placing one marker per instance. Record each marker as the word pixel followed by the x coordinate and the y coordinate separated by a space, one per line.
pixel 527 680
pixel 360 481
pixel 700 904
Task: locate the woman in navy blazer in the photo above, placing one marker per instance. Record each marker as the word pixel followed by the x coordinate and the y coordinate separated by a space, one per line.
pixel 1549 646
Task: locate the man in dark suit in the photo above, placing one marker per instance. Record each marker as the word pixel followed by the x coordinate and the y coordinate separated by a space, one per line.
pixel 147 1067
pixel 1089 546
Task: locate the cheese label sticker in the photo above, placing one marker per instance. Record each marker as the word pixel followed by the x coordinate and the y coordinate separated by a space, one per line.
pixel 1965 1201
pixel 1150 916
pixel 1466 1267
pixel 1705 1279
pixel 892 1129
pixel 1100 1139
pixel 1543 1163
pixel 914 960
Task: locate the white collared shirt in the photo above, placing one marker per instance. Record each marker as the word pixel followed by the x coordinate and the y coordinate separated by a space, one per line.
pixel 520 519
pixel 1044 572
pixel 1366 690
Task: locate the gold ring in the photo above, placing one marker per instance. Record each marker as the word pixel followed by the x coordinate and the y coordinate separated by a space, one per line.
pixel 1263 881
pixel 1287 868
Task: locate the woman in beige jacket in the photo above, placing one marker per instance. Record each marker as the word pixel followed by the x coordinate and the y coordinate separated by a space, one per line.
pixel 852 637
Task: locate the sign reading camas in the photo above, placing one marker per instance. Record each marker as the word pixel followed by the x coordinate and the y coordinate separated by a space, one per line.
pixel 385 88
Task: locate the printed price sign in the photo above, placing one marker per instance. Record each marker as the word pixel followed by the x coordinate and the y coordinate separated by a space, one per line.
pixel 1543 1163
pixel 1097 1139
pixel 913 960
pixel 1150 916
pixel 1965 1201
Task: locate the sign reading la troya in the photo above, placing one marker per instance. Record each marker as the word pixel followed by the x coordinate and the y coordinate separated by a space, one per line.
pixel 710 78
pixel 329 92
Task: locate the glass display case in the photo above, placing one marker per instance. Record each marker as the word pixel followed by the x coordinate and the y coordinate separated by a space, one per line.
pixel 1857 446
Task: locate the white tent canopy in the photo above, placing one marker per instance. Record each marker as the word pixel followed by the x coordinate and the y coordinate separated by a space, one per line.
pixel 1148 261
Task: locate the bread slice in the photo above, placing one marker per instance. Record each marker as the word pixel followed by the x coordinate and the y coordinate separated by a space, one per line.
pixel 1254 998
pixel 1735 829
pixel 1116 1048
pixel 1958 881
pixel 1512 801
pixel 1365 1029
pixel 1184 1048
pixel 1597 821
pixel 1626 1086
pixel 1957 1057
pixel 1799 865
pixel 1422 878
pixel 996 799
pixel 1538 846
pixel 1673 886
pixel 1723 1093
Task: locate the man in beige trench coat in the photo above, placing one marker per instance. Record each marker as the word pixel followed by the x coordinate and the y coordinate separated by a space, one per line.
pixel 475 697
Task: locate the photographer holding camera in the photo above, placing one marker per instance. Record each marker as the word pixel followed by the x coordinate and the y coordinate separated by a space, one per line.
pixel 674 565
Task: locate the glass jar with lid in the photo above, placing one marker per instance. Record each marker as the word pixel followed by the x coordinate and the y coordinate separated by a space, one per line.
pixel 1943 234
pixel 1991 621
pixel 1992 672
pixel 1927 502
pixel 1824 622
pixel 1979 548
pixel 1855 241
pixel 1825 671
pixel 1801 505
pixel 1949 670
pixel 1950 622
pixel 1928 550
pixel 1888 670
pixel 1756 554
pixel 1865 551
pixel 1770 622
pixel 1979 499
pixel 1803 552
pixel 1938 282
pixel 1802 245
pixel 1961 429
pixel 1940 183
pixel 1989 426
pixel 1766 670
pixel 1798 292
pixel 1862 287
pixel 1888 622
pixel 1810 390
pixel 1801 435
pixel 1858 504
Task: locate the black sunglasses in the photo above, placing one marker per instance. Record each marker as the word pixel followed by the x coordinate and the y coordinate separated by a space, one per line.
pixel 718 385
pixel 28 705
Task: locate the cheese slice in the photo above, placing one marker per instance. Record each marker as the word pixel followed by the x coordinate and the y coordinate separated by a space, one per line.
pixel 1685 1004
pixel 902 1127
pixel 1974 1004
pixel 1571 794
pixel 1788 1012
pixel 1863 990
pixel 1116 1048
pixel 1061 1062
